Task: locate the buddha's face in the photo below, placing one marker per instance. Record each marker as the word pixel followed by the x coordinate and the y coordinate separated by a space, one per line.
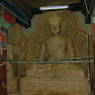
pixel 55 23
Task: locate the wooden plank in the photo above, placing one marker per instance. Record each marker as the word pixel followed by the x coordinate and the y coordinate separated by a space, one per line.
pixel 3 80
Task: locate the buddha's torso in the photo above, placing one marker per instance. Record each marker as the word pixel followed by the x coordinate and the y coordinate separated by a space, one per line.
pixel 57 48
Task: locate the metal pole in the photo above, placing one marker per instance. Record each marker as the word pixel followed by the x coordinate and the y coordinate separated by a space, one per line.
pixel 51 62
pixel 67 59
pixel 89 64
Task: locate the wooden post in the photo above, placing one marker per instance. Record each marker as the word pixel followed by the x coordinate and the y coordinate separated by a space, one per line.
pixel 94 72
pixel 3 65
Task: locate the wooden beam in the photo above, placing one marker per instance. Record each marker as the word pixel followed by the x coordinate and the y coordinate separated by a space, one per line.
pixel 91 6
pixel 22 17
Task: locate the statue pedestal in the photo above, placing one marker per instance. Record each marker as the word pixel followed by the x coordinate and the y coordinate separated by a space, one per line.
pixel 69 80
pixel 11 80
pixel 50 87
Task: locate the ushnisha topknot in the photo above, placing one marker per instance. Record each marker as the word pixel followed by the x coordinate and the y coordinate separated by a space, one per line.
pixel 54 18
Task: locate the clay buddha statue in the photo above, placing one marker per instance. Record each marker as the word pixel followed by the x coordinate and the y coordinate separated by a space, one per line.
pixel 57 47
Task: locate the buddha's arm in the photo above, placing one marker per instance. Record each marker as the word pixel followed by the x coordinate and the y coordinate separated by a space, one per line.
pixel 43 54
pixel 71 49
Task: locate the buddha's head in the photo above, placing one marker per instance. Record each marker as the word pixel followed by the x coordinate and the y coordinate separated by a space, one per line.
pixel 55 23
